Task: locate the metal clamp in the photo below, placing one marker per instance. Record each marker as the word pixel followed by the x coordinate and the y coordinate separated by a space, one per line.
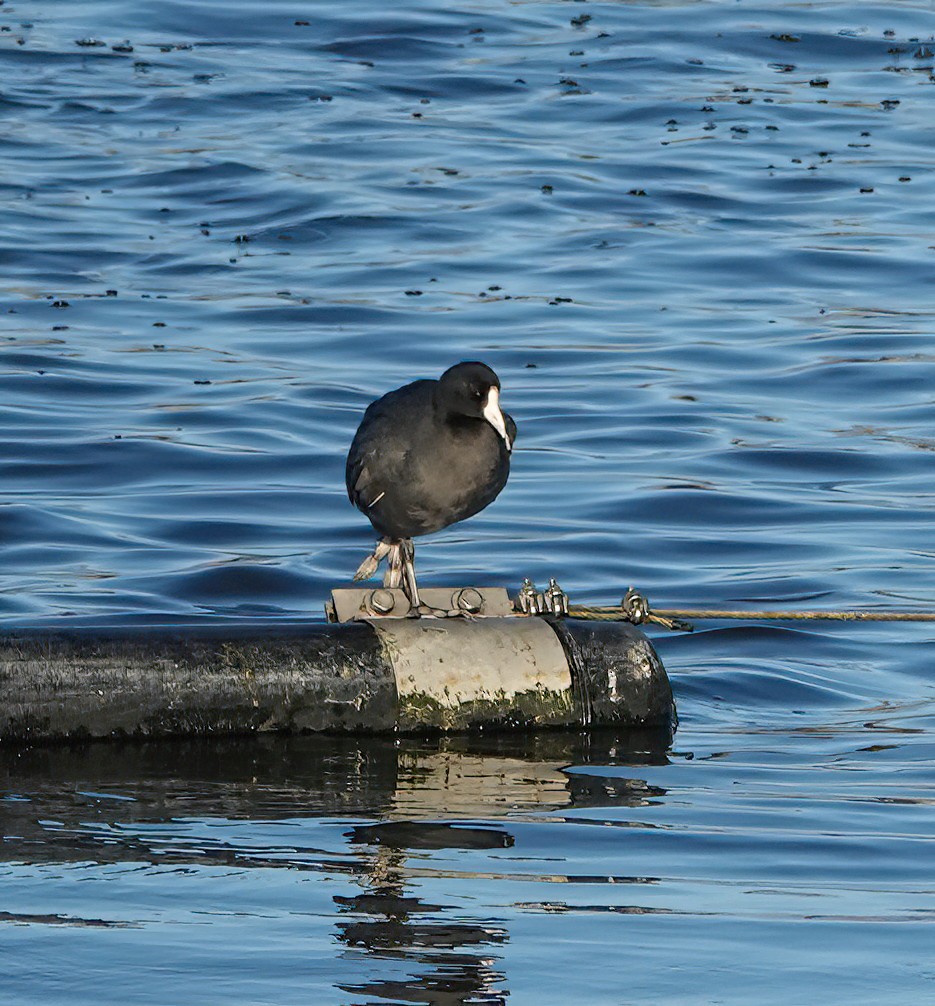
pixel 556 600
pixel 552 601
pixel 635 606
pixel 527 601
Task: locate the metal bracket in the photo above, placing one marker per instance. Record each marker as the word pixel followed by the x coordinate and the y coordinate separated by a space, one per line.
pixel 352 604
pixel 552 601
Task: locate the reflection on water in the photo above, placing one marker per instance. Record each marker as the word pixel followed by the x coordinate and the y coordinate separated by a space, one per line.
pixel 266 778
pixel 456 869
pixel 446 961
pixel 178 807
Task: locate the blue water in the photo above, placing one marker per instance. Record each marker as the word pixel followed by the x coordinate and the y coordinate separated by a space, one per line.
pixel 696 240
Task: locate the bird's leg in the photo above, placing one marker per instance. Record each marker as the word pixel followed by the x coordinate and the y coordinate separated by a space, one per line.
pixel 369 566
pixel 400 572
pixel 394 565
pixel 408 555
pixel 408 560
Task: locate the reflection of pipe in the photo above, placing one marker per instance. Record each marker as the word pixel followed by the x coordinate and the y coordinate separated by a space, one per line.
pixel 458 783
pixel 392 675
pixel 91 800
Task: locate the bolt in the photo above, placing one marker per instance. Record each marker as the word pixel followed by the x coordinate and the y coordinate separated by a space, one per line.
pixel 381 602
pixel 470 600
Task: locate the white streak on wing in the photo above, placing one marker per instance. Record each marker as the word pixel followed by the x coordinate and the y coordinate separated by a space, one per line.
pixel 494 416
pixel 374 502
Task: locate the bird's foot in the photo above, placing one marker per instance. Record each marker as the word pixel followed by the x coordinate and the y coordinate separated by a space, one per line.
pixel 401 572
pixel 369 566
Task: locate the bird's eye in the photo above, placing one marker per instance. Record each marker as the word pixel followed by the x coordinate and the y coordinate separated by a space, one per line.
pixel 477 393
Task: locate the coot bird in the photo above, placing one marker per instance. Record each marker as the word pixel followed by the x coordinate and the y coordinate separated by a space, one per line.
pixel 425 456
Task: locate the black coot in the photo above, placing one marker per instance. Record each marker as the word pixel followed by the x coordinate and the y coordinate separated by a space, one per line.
pixel 425 456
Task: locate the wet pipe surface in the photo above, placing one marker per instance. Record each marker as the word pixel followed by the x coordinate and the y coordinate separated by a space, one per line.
pixel 397 674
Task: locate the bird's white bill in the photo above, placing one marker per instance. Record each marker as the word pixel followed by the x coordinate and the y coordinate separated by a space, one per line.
pixel 494 416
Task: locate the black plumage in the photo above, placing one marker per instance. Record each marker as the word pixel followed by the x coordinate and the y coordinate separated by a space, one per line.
pixel 425 456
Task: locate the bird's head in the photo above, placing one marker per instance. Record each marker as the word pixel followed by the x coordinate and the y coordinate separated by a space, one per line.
pixel 473 389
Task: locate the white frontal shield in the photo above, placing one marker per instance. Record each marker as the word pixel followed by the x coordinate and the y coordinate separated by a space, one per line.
pixel 494 416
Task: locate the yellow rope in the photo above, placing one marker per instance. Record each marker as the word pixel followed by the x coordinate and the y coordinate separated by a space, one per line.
pixel 616 613
pixel 662 616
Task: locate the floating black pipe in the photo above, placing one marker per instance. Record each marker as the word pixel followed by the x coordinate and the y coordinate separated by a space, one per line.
pixel 374 676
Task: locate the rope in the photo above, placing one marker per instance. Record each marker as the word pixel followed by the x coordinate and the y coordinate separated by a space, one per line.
pixel 635 608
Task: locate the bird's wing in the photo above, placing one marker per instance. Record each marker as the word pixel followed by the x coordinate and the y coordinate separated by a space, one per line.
pixel 377 455
pixel 362 489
